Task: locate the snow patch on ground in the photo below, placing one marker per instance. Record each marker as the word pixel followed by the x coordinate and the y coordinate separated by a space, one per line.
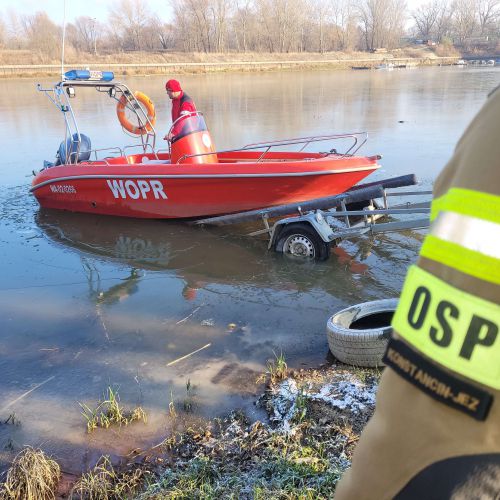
pixel 348 393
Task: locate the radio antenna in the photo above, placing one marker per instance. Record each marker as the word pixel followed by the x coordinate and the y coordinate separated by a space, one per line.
pixel 63 40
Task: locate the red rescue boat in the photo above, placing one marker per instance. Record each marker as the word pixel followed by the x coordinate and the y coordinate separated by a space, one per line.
pixel 191 179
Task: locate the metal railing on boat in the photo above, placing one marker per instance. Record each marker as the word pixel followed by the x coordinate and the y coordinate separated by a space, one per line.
pixel 60 95
pixel 358 140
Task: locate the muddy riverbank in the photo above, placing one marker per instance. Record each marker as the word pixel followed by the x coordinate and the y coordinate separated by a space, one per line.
pixel 29 64
pixel 300 448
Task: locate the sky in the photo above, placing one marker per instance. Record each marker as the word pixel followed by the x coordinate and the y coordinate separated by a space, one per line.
pixel 96 8
pixel 75 8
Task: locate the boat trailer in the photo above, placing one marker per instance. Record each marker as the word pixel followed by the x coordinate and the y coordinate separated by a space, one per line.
pixel 310 228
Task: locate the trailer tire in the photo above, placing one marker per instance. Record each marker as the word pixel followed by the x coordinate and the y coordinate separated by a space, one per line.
pixel 361 347
pixel 301 240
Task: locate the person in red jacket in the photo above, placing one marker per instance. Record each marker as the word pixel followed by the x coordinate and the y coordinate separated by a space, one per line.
pixel 182 104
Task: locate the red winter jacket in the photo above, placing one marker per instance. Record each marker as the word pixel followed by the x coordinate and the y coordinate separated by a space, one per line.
pixel 182 104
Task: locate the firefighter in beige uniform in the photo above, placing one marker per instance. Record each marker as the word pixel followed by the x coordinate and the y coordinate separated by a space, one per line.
pixel 435 433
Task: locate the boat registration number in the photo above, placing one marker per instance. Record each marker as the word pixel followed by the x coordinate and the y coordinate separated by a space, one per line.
pixel 63 189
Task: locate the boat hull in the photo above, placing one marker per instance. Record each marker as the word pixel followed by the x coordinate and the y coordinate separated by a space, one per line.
pixel 148 190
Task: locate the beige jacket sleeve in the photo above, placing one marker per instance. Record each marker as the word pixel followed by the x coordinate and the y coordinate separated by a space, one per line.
pixel 409 430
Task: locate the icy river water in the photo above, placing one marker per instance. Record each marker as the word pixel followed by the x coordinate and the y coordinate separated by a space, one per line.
pixel 90 302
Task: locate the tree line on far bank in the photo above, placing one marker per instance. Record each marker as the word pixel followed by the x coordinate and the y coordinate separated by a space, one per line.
pixel 276 26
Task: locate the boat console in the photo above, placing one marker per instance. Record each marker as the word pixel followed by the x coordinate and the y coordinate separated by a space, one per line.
pixel 191 140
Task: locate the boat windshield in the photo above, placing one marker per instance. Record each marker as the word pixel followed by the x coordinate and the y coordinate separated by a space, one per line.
pixel 187 124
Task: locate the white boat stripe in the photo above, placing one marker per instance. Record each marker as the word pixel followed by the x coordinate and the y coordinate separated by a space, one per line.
pixel 472 233
pixel 203 176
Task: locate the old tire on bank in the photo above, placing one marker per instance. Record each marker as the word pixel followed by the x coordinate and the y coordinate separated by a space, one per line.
pixel 359 334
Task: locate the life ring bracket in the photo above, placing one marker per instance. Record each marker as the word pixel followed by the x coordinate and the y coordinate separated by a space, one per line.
pixel 148 110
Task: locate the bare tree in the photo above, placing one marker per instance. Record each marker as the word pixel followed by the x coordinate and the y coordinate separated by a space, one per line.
pixel 260 25
pixel 128 20
pixel 344 18
pixel 202 23
pixel 283 24
pixel 243 18
pixel 87 29
pixel 199 12
pixel 267 25
pixel 73 38
pixel 221 10
pixel 163 31
pixel 3 32
pixel 489 14
pixel 464 19
pixel 443 24
pixel 185 37
pixel 382 22
pixel 14 38
pixel 398 15
pixel 425 18
pixel 150 38
pixel 42 35
pixel 320 15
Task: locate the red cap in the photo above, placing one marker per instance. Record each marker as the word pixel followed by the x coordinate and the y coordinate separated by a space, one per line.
pixel 189 293
pixel 173 85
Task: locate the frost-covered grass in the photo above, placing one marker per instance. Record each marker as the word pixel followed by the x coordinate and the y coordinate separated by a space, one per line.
pixel 248 462
pixel 103 482
pixel 301 454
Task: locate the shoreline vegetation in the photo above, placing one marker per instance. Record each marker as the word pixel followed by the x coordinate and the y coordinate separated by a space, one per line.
pixel 22 63
pixel 314 419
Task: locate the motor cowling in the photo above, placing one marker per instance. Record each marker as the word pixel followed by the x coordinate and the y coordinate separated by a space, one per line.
pixel 191 141
pixel 74 149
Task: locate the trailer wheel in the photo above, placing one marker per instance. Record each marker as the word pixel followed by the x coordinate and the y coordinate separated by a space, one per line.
pixel 302 240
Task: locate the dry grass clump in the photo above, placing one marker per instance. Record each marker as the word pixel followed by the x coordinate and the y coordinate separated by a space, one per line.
pixel 32 476
pixel 446 49
pixel 277 369
pixel 109 412
pixel 103 482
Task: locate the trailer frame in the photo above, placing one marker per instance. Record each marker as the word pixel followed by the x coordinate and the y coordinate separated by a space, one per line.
pixel 310 228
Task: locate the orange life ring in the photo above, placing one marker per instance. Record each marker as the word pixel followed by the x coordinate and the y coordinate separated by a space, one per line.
pixel 149 108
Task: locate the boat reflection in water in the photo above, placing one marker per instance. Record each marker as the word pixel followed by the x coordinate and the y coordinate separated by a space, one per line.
pixel 196 255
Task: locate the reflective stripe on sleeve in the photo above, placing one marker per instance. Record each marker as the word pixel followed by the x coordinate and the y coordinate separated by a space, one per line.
pixel 475 234
pixel 465 233
pixel 462 259
pixel 468 202
pixel 452 327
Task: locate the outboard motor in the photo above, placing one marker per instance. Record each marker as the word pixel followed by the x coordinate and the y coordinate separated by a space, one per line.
pixel 190 136
pixel 74 150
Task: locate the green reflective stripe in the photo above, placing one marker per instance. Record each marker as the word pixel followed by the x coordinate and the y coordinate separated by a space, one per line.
pixel 467 261
pixel 437 206
pixel 450 326
pixel 468 202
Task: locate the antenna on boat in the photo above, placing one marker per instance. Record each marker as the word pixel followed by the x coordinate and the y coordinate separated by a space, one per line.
pixel 63 40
